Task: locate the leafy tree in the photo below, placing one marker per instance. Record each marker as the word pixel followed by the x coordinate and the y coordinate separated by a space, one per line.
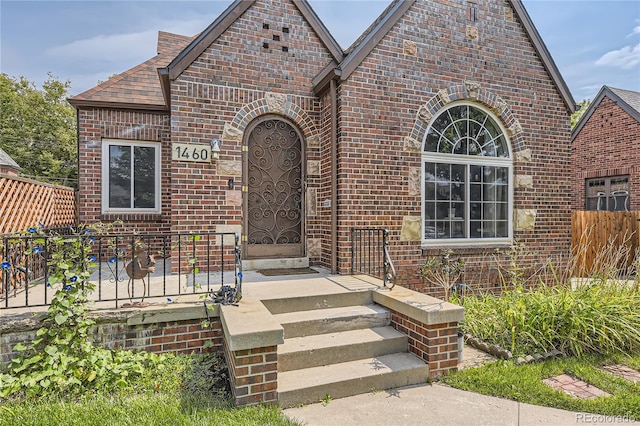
pixel 38 129
pixel 582 107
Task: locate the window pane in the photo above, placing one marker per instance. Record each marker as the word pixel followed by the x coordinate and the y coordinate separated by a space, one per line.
pixel 502 211
pixel 431 143
pixel 144 161
pixel 119 176
pixel 430 232
pixel 465 200
pixel 443 181
pixel 502 229
pixel 429 210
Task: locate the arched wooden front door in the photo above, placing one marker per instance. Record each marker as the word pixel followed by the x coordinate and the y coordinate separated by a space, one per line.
pixel 274 199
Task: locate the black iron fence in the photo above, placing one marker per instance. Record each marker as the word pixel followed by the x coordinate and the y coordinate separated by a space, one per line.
pixel 370 254
pixel 122 267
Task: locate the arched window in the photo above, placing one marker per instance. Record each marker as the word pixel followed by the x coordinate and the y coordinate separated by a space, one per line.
pixel 466 178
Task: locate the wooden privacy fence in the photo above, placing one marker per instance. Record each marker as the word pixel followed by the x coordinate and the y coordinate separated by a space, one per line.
pixel 25 203
pixel 602 239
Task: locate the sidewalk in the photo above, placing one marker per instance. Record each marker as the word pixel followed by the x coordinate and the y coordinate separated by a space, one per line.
pixel 438 404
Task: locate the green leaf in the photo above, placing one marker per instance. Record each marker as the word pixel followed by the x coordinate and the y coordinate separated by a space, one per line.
pixel 61 318
pixel 19 347
pixel 51 350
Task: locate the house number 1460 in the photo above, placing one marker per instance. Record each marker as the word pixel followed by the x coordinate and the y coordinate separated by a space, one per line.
pixel 190 152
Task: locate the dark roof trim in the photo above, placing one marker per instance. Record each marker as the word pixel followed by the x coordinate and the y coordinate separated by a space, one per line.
pixel 228 17
pixel 81 103
pixel 375 33
pixel 325 36
pixel 543 52
pixel 321 81
pixel 165 85
pixel 605 91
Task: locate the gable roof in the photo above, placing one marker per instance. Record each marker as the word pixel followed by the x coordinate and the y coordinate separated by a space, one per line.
pixel 362 47
pixel 628 100
pixel 225 20
pixel 136 88
pixel 7 161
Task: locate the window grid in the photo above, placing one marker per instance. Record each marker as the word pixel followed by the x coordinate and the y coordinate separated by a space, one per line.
pixel 467 189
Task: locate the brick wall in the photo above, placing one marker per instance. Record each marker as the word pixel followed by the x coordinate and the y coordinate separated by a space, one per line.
pixel 253 374
pixel 379 103
pixel 94 125
pixel 608 145
pixel 219 89
pixel 436 344
pixel 180 336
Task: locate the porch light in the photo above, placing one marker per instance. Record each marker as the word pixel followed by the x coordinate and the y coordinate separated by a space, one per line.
pixel 215 148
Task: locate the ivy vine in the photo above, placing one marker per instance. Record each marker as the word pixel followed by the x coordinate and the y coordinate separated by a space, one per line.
pixel 62 359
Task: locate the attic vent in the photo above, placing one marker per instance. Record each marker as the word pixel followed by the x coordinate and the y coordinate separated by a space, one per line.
pixel 472 12
pixel 285 30
pixel 265 26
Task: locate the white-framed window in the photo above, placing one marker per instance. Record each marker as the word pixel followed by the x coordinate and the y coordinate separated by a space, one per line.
pixel 130 176
pixel 467 178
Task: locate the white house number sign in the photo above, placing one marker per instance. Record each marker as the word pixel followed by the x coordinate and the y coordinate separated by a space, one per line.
pixel 191 152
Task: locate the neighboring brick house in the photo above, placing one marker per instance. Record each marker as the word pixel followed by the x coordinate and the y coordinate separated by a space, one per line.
pixel 606 153
pixel 446 122
pixel 7 165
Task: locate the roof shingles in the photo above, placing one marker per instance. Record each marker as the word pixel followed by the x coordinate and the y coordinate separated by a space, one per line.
pixel 139 85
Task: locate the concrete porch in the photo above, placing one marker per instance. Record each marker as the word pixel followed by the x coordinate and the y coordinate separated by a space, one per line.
pixel 300 338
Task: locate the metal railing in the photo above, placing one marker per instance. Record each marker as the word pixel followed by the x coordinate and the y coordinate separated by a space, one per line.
pixel 370 254
pixel 126 267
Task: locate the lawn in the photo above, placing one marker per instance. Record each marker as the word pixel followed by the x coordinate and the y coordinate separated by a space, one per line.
pixel 524 383
pixel 185 390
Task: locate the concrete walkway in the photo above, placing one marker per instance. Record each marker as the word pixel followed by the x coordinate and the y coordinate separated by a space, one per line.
pixel 437 404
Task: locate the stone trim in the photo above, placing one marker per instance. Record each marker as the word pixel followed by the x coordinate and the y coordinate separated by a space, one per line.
pixel 272 103
pixel 472 91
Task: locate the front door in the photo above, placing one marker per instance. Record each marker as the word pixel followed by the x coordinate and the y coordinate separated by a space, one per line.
pixel 274 199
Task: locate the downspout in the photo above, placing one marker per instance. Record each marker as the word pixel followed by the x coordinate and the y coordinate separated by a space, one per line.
pixel 77 192
pixel 334 176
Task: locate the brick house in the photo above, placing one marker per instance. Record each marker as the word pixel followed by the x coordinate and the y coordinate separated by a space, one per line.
pixel 7 165
pixel 605 150
pixel 446 122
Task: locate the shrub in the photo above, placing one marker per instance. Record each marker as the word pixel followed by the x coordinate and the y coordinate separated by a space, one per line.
pixel 61 359
pixel 600 317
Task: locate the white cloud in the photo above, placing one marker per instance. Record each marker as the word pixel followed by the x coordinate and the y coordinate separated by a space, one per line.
pixel 116 47
pixel 625 58
pixel 133 46
pixel 636 30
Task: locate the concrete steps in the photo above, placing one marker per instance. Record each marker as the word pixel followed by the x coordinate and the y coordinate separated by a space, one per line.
pixel 331 320
pixel 315 384
pixel 340 345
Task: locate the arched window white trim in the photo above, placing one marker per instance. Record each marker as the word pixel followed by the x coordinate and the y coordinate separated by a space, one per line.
pixel 467 178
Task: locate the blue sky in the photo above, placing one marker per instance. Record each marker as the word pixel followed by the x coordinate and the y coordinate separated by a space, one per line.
pixel 593 42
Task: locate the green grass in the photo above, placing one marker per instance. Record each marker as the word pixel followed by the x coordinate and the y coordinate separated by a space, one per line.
pixel 182 391
pixel 601 318
pixel 524 383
